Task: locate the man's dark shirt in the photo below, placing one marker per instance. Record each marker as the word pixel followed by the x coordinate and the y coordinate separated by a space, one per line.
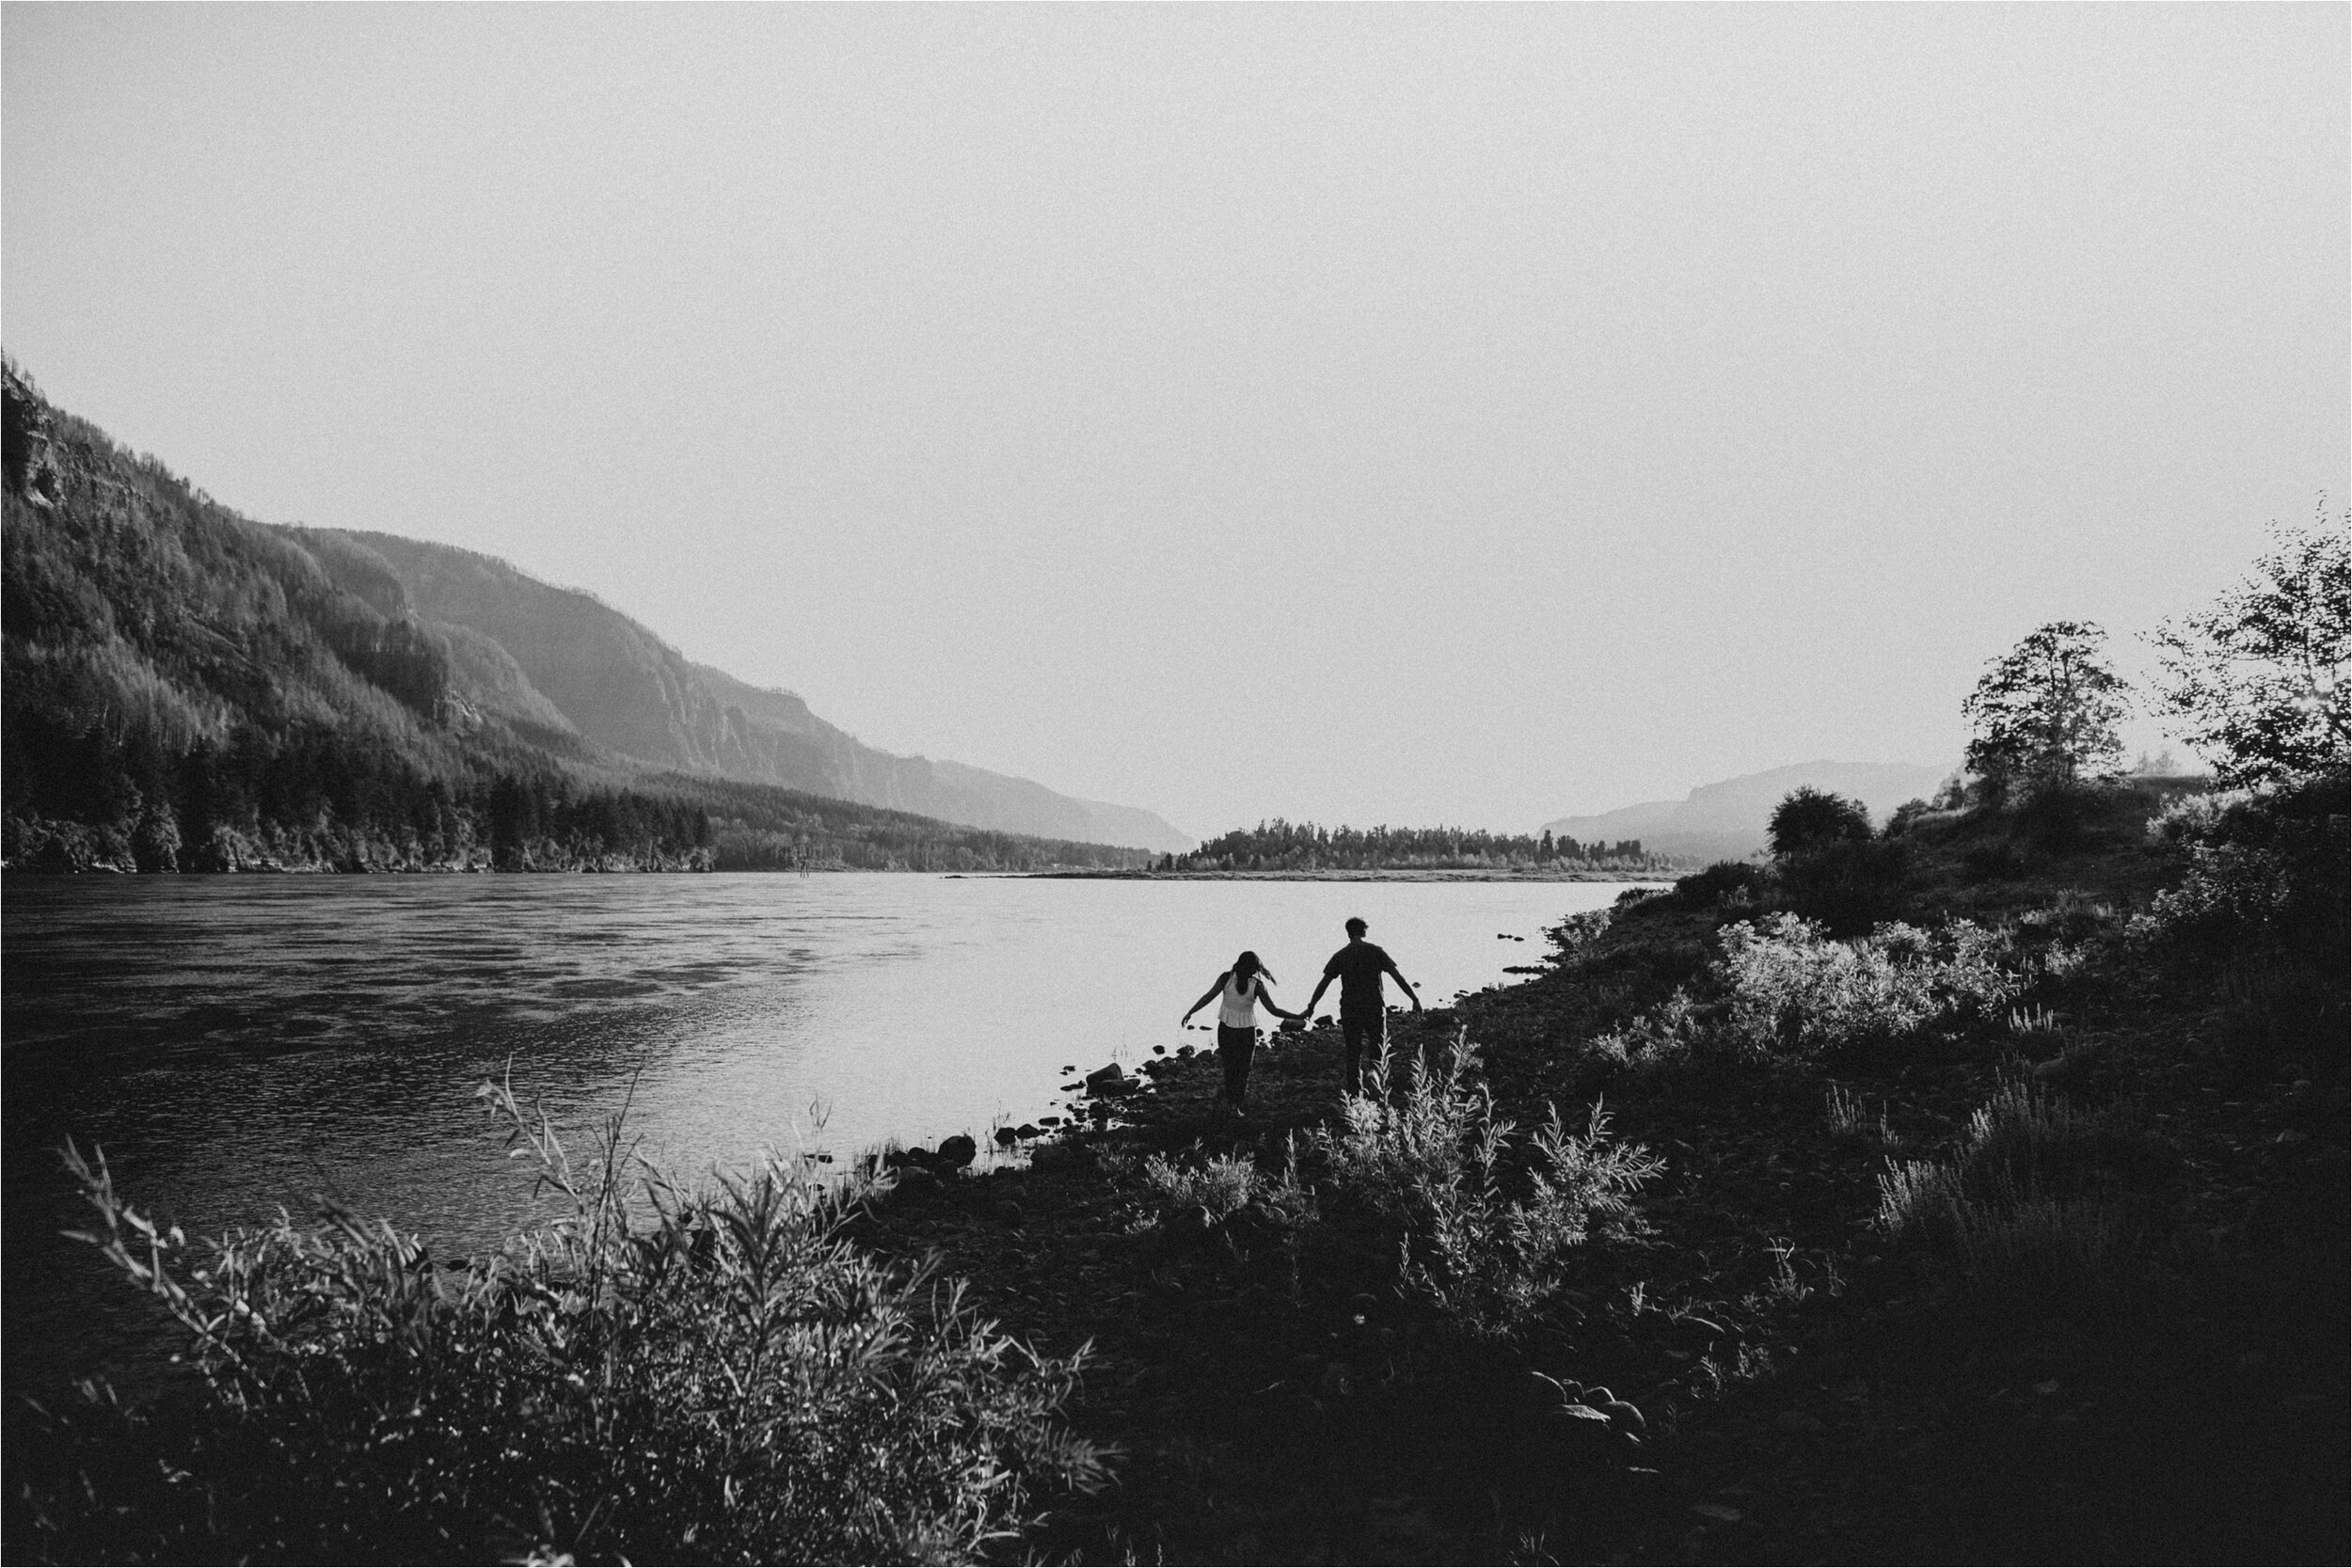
pixel 1359 966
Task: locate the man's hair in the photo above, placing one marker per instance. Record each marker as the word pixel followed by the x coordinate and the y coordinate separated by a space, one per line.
pixel 1356 926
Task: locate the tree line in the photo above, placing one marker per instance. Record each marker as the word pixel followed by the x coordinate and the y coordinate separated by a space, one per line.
pixel 1283 846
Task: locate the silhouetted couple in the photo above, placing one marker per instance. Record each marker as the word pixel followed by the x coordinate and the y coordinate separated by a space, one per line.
pixel 1363 1013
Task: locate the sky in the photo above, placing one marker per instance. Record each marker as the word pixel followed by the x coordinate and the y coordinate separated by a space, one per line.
pixel 1398 414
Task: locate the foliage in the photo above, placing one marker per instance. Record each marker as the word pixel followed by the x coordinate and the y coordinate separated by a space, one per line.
pixel 2027 1204
pixel 1849 885
pixel 1796 993
pixel 1281 845
pixel 2045 712
pixel 1807 818
pixel 2260 676
pixel 1436 1160
pixel 1725 884
pixel 1216 1190
pixel 2263 905
pixel 721 1377
pixel 1575 933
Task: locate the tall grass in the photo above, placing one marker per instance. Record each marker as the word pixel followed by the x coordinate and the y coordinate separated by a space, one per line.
pixel 2028 1206
pixel 721 1376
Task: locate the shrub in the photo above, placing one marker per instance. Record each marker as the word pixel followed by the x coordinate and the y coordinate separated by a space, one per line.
pixel 723 1377
pixel 1807 818
pixel 1437 1162
pixel 1796 993
pixel 1725 884
pixel 1575 934
pixel 1849 885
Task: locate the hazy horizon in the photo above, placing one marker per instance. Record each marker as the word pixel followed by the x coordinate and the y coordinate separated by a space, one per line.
pixel 1401 414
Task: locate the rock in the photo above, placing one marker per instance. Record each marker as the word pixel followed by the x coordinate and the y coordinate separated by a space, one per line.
pixel 1184 1050
pixel 908 1159
pixel 1049 1121
pixel 1053 1157
pixel 957 1152
pixel 1007 1137
pixel 1159 1051
pixel 1103 1075
pixel 1025 1131
pixel 1070 1067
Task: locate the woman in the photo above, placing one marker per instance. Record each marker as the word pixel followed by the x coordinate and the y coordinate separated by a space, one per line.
pixel 1243 987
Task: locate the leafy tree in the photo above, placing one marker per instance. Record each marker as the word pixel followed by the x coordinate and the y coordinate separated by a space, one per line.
pixel 2046 713
pixel 1807 818
pixel 2260 675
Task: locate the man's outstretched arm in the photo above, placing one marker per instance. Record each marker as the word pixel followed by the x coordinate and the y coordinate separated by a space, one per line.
pixel 1398 977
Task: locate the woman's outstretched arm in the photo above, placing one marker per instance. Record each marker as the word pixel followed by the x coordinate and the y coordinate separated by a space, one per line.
pixel 1272 1006
pixel 1206 997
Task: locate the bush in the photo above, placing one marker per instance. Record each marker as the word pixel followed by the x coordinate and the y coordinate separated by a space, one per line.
pixel 1794 992
pixel 1725 884
pixel 724 1377
pixel 1438 1160
pixel 1576 933
pixel 1807 818
pixel 1849 885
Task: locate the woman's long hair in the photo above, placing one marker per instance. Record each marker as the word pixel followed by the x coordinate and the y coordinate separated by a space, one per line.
pixel 1247 966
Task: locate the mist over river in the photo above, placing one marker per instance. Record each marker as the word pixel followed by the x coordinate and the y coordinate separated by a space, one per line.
pixel 238 1042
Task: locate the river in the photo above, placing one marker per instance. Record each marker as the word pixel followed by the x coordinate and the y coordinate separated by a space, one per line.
pixel 238 1042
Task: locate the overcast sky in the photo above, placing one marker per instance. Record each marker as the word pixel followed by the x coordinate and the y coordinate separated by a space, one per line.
pixel 1388 414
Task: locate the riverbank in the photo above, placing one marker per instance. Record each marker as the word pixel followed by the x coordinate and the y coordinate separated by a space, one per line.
pixel 1782 1356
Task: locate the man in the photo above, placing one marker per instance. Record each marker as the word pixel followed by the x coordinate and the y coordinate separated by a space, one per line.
pixel 1363 1016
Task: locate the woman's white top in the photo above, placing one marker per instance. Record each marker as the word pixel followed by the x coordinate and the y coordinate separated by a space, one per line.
pixel 1239 1009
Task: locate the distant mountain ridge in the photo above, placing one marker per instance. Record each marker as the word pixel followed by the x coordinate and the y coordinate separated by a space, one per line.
pixel 1730 820
pixel 616 685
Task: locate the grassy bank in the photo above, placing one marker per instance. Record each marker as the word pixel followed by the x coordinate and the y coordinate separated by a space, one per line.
pixel 1975 1192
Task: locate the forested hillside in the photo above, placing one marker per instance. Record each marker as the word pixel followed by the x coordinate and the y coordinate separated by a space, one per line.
pixel 187 689
pixel 618 684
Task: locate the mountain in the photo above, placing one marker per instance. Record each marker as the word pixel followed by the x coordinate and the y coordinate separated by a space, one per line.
pixel 1729 820
pixel 619 687
pixel 181 687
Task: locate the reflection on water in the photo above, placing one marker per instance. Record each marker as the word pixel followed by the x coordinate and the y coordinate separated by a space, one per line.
pixel 238 1042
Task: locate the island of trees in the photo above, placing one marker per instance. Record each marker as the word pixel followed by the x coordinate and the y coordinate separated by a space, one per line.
pixel 1303 846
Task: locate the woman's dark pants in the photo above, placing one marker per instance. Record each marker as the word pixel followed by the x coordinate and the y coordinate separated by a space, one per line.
pixel 1233 1048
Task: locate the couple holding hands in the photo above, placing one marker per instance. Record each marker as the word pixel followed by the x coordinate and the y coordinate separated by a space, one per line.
pixel 1363 1016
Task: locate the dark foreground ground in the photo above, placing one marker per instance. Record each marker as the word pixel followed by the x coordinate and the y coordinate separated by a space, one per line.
pixel 1809 1392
